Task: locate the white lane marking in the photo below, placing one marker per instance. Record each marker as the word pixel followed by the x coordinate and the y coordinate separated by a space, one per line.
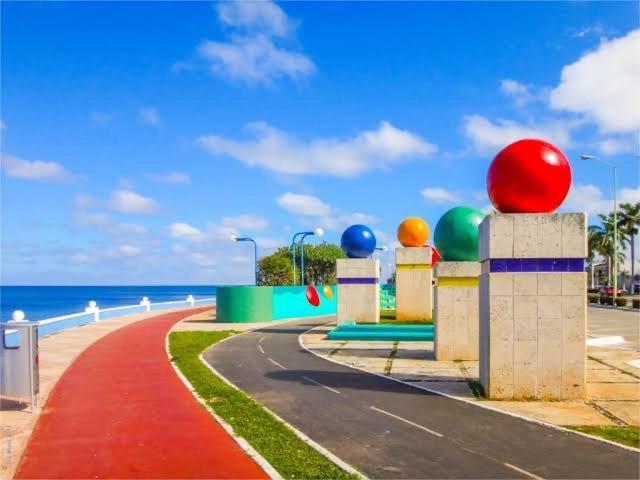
pixel 432 432
pixel 260 348
pixel 261 339
pixel 524 472
pixel 320 384
pixel 276 363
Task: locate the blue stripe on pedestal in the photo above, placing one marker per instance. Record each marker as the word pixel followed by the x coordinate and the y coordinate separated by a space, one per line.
pixel 357 281
pixel 513 265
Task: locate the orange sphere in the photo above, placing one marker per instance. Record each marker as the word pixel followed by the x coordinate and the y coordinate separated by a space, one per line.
pixel 413 232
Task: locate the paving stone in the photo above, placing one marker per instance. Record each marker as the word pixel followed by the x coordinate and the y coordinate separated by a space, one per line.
pixel 627 411
pixel 613 391
pixel 572 412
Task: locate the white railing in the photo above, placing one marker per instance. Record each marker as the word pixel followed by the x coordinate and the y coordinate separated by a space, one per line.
pixel 93 314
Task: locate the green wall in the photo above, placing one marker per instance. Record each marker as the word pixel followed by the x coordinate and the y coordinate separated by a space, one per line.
pixel 243 304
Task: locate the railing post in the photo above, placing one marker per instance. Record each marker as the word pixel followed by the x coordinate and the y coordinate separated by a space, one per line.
pixel 146 303
pixel 93 308
pixel 191 300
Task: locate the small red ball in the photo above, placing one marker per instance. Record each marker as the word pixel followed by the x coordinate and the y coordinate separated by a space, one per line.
pixel 528 176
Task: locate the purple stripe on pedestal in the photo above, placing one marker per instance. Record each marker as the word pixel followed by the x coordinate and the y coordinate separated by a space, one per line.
pixel 516 265
pixel 358 281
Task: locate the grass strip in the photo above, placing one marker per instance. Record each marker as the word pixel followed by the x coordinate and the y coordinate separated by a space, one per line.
pixel 283 449
pixel 629 436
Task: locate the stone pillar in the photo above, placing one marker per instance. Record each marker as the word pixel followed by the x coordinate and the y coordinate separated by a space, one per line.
pixel 456 311
pixel 414 284
pixel 358 290
pixel 533 306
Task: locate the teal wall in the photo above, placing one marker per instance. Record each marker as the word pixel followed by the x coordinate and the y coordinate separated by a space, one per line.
pixel 291 302
pixel 244 304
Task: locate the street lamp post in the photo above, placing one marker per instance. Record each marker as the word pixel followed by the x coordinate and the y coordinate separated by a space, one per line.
pixel 317 232
pixel 255 254
pixel 615 222
pixel 293 256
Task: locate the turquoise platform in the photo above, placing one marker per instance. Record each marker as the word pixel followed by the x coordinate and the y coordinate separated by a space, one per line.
pixel 382 332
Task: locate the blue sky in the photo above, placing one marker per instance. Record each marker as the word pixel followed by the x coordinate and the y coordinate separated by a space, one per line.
pixel 137 137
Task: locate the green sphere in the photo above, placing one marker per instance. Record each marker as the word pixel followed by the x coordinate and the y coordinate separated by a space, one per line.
pixel 456 234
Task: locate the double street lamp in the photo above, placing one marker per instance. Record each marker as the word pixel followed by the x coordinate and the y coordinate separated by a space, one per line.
pixel 317 232
pixel 255 253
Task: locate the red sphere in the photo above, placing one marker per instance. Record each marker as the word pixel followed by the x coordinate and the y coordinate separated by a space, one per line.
pixel 528 176
pixel 312 296
pixel 435 255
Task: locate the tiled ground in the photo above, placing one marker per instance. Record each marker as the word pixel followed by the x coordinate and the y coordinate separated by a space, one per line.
pixel 613 386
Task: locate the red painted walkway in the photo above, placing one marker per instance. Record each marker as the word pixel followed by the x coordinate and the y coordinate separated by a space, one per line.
pixel 120 411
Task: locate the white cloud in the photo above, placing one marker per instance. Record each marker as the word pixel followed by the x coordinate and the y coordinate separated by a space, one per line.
pixel 263 16
pixel 84 201
pixel 172 177
pixel 201 259
pixel 185 231
pixel 127 201
pixel 258 49
pixel 121 251
pixel 615 146
pixel 149 116
pixel 603 85
pixel 129 250
pixel 246 222
pixel 490 137
pixel 590 198
pixel 105 222
pixel 303 204
pixel 439 195
pixel 280 152
pixel 520 93
pixel 254 60
pixel 596 29
pixel 340 221
pixel 33 170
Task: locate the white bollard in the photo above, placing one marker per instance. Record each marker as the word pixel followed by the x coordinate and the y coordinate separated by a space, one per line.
pixel 18 316
pixel 191 300
pixel 146 303
pixel 93 308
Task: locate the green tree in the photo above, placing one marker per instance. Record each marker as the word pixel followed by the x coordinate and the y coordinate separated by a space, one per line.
pixel 630 224
pixel 275 269
pixel 319 265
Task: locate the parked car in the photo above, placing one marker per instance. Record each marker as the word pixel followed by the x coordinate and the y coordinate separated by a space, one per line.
pixel 608 291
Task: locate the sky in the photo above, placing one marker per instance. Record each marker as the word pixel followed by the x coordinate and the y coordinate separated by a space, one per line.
pixel 138 137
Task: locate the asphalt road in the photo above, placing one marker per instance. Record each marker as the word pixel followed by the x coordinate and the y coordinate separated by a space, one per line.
pixel 387 429
pixel 604 322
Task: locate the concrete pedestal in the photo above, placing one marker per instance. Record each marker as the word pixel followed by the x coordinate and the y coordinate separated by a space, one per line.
pixel 456 310
pixel 358 290
pixel 533 306
pixel 414 289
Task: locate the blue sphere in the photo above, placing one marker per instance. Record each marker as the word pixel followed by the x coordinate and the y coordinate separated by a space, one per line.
pixel 358 241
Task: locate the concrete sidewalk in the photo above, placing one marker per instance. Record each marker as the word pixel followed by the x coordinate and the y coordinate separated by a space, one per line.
pixel 613 386
pixel 57 353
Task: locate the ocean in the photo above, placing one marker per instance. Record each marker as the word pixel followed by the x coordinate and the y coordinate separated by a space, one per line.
pixel 42 302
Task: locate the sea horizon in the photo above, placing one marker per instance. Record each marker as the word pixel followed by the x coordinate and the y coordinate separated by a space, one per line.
pixel 40 302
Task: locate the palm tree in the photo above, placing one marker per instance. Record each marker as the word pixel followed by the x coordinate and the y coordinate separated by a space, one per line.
pixel 629 224
pixel 594 241
pixel 607 240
